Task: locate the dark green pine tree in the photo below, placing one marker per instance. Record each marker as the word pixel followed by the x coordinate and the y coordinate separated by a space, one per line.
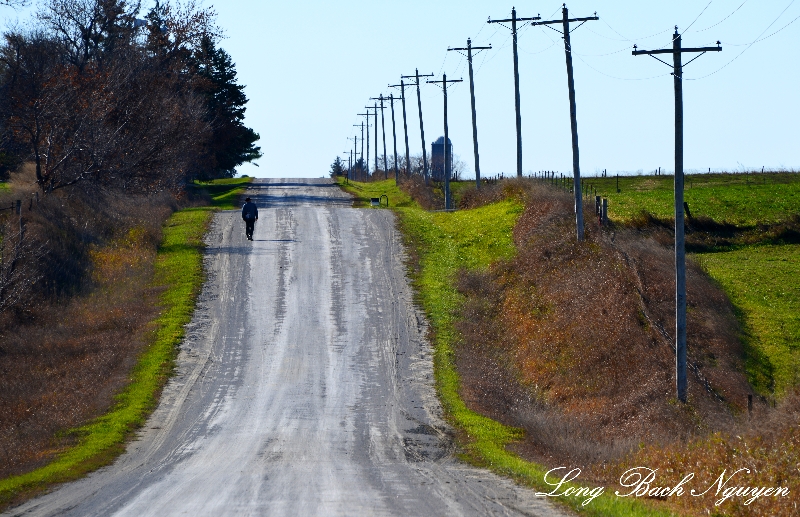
pixel 232 143
pixel 337 168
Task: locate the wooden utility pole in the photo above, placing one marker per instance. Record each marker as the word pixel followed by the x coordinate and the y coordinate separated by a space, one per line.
pixel 680 252
pixel 514 21
pixel 394 139
pixel 405 127
pixel 375 112
pixel 383 130
pixel 365 174
pixel 469 50
pixel 416 77
pixel 576 167
pixel 362 142
pixel 447 157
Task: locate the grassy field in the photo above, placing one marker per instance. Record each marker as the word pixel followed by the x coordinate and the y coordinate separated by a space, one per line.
pixel 445 243
pixel 178 269
pixel 741 199
pixel 761 281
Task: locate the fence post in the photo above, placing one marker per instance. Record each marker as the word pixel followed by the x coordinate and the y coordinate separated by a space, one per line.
pixel 19 206
pixel 605 211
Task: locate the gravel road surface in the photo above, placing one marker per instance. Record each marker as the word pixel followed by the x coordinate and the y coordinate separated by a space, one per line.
pixel 304 386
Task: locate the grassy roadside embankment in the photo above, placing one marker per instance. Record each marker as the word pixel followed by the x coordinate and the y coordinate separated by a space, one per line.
pixel 444 244
pixel 178 271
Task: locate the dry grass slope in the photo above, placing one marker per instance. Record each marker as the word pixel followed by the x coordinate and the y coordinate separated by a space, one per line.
pixel 574 343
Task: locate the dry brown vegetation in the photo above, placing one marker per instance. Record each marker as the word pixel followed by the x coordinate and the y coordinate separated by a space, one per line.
pixel 67 350
pixel 423 194
pixel 573 342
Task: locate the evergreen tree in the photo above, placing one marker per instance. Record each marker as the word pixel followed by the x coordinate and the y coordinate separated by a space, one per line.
pixel 337 169
pixel 232 143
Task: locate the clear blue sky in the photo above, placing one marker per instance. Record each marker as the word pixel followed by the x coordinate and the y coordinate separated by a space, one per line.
pixel 310 67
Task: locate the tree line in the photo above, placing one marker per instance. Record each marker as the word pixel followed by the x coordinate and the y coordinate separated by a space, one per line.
pixel 91 93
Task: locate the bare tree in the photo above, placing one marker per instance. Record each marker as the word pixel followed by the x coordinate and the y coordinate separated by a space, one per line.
pixel 89 30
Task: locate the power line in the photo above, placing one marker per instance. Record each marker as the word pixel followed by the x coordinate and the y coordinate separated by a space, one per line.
pixel 624 38
pixel 616 77
pixel 627 47
pixel 698 16
pixel 722 20
pixel 753 42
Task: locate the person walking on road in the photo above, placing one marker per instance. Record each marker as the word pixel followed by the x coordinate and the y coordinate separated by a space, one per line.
pixel 250 216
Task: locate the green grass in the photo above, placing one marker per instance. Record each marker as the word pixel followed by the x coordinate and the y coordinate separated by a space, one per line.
pixel 224 192
pixel 741 199
pixel 363 192
pixel 445 243
pixel 179 269
pixel 761 281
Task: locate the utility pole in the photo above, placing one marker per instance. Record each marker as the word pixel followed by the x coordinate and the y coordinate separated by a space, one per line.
pixel 514 21
pixel 394 139
pixel 680 252
pixel 355 148
pixel 383 130
pixel 375 112
pixel 405 127
pixel 576 167
pixel 447 157
pixel 362 141
pixel 469 50
pixel 366 163
pixel 416 77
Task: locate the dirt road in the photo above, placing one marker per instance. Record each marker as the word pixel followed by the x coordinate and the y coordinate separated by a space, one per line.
pixel 305 386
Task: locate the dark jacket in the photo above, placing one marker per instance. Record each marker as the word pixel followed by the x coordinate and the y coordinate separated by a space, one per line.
pixel 249 211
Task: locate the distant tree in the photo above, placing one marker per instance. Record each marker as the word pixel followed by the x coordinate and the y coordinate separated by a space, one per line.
pixel 232 143
pixel 337 168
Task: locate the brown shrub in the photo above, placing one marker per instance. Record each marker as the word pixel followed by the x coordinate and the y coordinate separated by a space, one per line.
pixel 423 194
pixel 70 348
pixel 475 198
